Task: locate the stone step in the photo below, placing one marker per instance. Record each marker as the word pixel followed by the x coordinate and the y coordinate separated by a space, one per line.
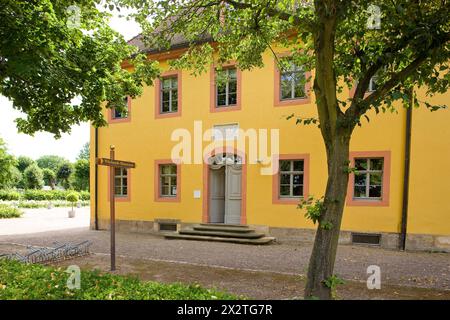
pixel 264 240
pixel 243 235
pixel 224 225
pixel 223 228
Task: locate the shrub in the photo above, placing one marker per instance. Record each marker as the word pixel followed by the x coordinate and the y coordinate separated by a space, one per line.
pixel 9 195
pixel 85 195
pixel 33 177
pixel 37 195
pixel 36 282
pixel 6 212
pixel 73 197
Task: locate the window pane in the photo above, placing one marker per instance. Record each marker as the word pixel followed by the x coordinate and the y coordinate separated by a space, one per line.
pixel 221 100
pixel 166 95
pixel 297 191
pixel 117 171
pixel 166 83
pixel 165 169
pixel 165 190
pixel 174 82
pixel 165 180
pixel 285 179
pixel 298 165
pixel 360 179
pixel 117 182
pixel 232 98
pixel 376 179
pixel 360 192
pixel 117 114
pixel 299 80
pixel 174 105
pixel 118 191
pixel 298 179
pixel 285 165
pixel 124 191
pixel 286 87
pixel 165 106
pixel 232 73
pixel 361 164
pixel 124 182
pixel 173 181
pixel 173 191
pixel 284 191
pixel 375 191
pixel 376 164
pixel 173 168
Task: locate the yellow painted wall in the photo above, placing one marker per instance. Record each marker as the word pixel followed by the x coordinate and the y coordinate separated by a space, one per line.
pixel 429 194
pixel 145 139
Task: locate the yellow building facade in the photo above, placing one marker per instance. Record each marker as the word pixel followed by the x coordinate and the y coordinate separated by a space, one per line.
pixel 157 191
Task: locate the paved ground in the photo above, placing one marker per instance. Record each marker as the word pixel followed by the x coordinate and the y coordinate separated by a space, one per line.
pixel 258 271
pixel 40 220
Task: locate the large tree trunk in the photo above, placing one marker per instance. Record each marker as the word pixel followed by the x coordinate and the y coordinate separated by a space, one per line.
pixel 323 256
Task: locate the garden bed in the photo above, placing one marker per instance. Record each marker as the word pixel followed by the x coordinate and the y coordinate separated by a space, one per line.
pixel 30 281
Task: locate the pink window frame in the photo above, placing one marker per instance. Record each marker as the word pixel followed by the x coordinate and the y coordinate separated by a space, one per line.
pixel 118 198
pixel 111 119
pixel 384 201
pixel 158 197
pixel 212 92
pixel 168 74
pixel 276 199
pixel 291 102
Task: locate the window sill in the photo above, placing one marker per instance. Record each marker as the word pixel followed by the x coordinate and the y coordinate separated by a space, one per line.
pixel 233 107
pixel 292 200
pixel 292 102
pixel 367 203
pixel 167 199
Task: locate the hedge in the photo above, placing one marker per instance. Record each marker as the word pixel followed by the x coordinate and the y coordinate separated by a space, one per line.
pixel 10 195
pixel 7 211
pixel 36 282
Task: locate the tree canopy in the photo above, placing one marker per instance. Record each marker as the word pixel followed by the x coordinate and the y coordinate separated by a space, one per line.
pixel 59 60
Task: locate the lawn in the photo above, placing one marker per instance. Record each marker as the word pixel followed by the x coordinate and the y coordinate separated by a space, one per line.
pixel 37 282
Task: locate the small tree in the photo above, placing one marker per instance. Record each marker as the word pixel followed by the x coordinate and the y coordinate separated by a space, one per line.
pixel 34 178
pixel 81 174
pixel 84 152
pixel 23 162
pixel 7 161
pixel 73 197
pixel 52 162
pixel 63 174
pixel 49 177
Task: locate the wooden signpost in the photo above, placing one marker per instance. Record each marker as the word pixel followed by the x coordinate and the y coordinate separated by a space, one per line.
pixel 113 164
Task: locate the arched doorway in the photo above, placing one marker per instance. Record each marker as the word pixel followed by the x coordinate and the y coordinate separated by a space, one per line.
pixel 225 188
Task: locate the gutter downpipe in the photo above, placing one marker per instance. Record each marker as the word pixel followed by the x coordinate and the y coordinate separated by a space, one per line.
pixel 407 162
pixel 96 178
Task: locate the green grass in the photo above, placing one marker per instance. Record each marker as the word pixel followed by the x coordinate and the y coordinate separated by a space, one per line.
pixel 6 212
pixel 28 281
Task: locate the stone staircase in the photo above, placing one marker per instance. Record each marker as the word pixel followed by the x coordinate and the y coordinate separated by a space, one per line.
pixel 233 233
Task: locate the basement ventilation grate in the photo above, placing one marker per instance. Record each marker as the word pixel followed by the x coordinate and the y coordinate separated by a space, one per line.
pixel 167 227
pixel 366 238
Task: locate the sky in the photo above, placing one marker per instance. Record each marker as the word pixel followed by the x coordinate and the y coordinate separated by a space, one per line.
pixel 42 143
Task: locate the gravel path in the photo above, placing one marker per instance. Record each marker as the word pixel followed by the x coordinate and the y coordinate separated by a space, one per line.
pixel 417 269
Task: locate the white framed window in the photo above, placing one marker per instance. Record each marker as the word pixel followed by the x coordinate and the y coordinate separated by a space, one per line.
pixel 120 182
pixel 292 82
pixel 226 132
pixel 226 87
pixel 169 95
pixel 368 178
pixel 168 180
pixel 291 178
